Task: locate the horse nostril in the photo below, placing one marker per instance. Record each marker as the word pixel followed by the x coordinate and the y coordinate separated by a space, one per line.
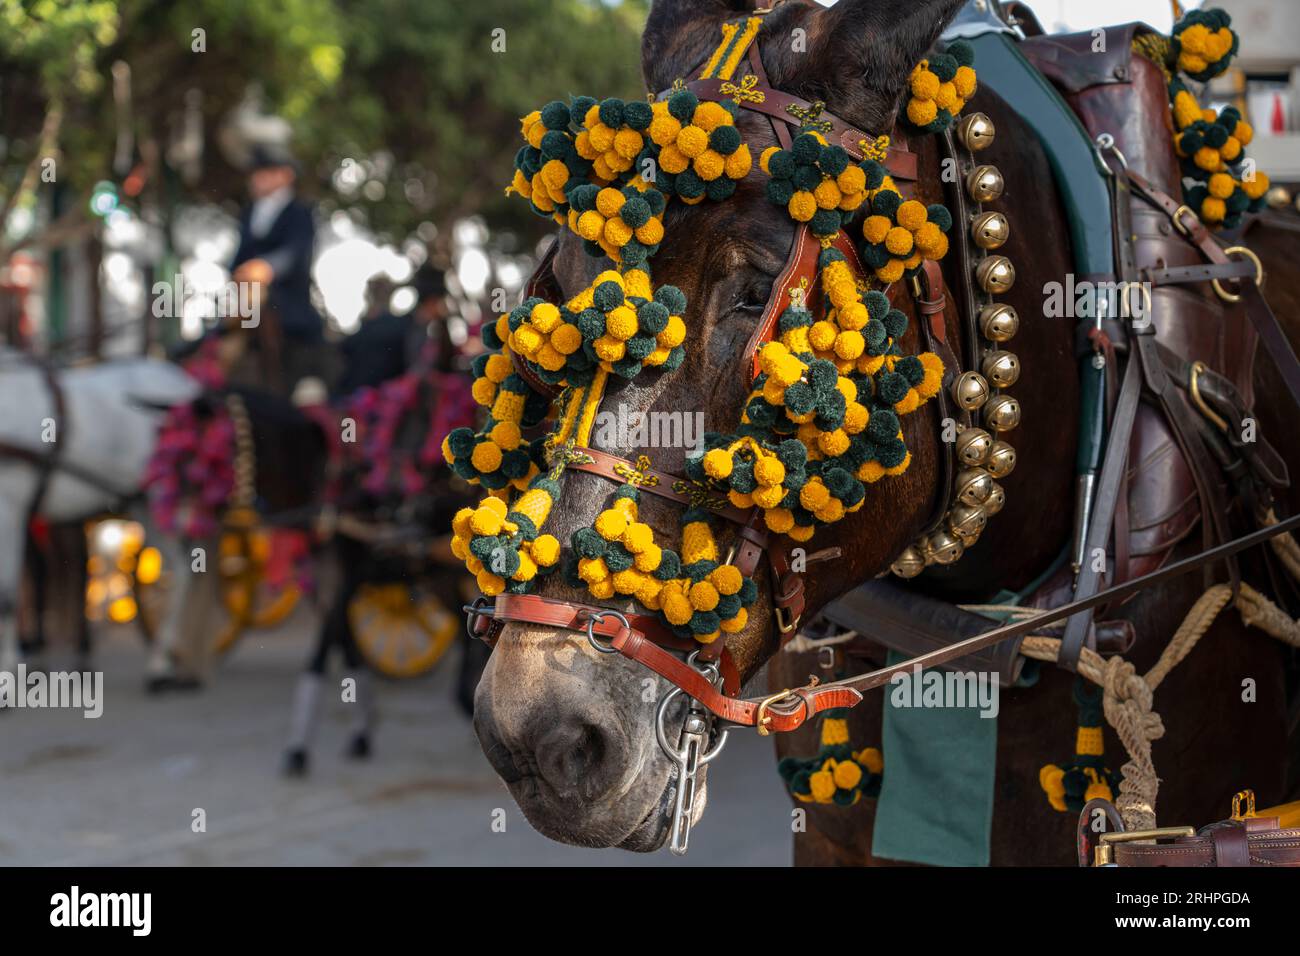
pixel 572 758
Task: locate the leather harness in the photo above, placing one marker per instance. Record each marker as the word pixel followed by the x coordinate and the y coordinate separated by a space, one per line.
pixel 645 639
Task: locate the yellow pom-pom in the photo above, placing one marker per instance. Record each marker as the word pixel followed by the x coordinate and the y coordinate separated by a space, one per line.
pixel 506 435
pixel 802 206
pixel 709 165
pixel 822 786
pixel 627 143
pixel 664 128
pixel 965 82
pixel 674 332
pixel 486 458
pixel 566 339
pixel 673 160
pixel 875 228
pixel 703 596
pixel 609 349
pixel 734 625
pixel 621 323
pixel 638 537
pixel 891 271
pixel 490 584
pixel 692 141
pixel 911 214
pixel 545 549
pixel 925 85
pixel 768 496
pixel 1213 210
pixel 827 194
pixel 847 774
pixel 483 390
pixel 822 335
pixel 946 98
pixel 765 156
pixel 717 463
pixel 769 470
pixel 1243 132
pixel 1221 185
pixel 778 520
pixel 1257 186
pixel 871 758
pixel 726 578
pixel 739 163
pixel 898 241
pixel 651 233
pixel 611 524
pixel 1208 159
pixel 676 605
pixel 849 345
pixel 922 112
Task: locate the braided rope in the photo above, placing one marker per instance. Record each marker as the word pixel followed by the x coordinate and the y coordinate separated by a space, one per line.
pixel 1128 696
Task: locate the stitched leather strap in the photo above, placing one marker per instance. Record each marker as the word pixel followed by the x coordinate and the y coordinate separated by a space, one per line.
pixel 661 483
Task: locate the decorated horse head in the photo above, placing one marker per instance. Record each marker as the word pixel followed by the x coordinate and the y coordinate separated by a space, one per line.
pixel 765 244
pixel 660 288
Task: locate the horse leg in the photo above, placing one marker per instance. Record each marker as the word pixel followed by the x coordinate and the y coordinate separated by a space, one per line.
pixel 357 559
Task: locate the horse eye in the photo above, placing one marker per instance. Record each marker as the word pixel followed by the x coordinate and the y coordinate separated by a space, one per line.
pixel 754 298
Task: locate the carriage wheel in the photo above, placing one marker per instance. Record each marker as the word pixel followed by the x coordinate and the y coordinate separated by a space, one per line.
pixel 248 599
pixel 401 631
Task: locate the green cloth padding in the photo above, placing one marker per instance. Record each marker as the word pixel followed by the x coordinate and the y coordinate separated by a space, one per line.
pixel 936 799
pixel 1082 181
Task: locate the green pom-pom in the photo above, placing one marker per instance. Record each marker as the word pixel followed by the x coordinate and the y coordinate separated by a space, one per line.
pixel 689 185
pixel 591 323
pixel 833 160
pixel 611 112
pixel 877 304
pixel 962 52
pixel 720 189
pixel 805 149
pixel 682 105
pixel 944 66
pixel 588 543
pixel 875 173
pixel 637 114
pixel 671 298
pixel 807 178
pixel 635 212
pixel 555 115
pixel 825 222
pixel 608 296
pixel 895 324
pixel 652 317
pixel 938 214
pixel 779 191
pixel 886 203
pixel 781 164
pixel 725 139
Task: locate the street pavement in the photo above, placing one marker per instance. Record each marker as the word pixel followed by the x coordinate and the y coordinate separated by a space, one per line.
pixel 122 790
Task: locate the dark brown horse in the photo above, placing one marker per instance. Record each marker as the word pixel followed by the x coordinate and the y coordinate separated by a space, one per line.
pixel 571 731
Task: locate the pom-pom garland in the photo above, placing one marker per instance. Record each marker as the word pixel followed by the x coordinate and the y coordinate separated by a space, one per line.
pixel 837 774
pixel 899 233
pixel 1070 786
pixel 1203 44
pixel 940 86
pixel 822 419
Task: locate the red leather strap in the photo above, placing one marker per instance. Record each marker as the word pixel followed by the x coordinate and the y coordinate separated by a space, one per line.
pixel 532 609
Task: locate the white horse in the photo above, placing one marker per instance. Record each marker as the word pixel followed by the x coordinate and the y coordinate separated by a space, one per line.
pixel 104 437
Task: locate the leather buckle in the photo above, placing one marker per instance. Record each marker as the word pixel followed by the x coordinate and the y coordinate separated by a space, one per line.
pixel 761 718
pixel 784 623
pixel 1177 217
pixel 1104 857
pixel 1223 293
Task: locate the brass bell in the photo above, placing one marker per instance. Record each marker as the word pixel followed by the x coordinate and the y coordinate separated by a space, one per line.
pixel 967 521
pixel 998 322
pixel 976 132
pixel 1001 368
pixel 1278 197
pixel 908 564
pixel 984 183
pixel 973 446
pixel 1002 413
pixel 1002 459
pixel 944 548
pixel 995 274
pixel 990 230
pixel 996 499
pixel 970 390
pixel 973 486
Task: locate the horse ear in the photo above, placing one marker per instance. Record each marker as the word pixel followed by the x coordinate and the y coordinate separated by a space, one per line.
pixel 855 56
pixel 679 36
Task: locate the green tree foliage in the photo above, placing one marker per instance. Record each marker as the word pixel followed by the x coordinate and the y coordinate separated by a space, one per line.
pixel 414 81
